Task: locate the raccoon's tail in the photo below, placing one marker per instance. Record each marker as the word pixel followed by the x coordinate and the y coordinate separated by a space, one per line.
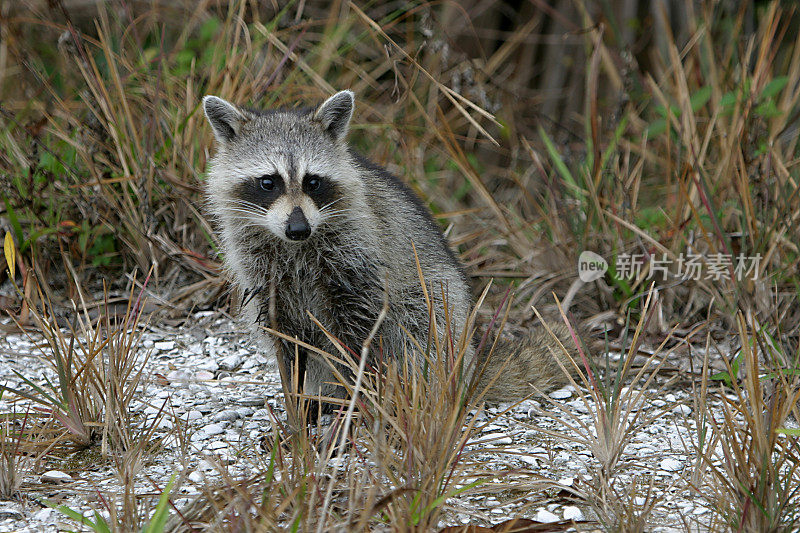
pixel 517 369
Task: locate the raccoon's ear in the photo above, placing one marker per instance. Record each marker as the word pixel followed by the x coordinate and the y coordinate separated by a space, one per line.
pixel 225 118
pixel 334 114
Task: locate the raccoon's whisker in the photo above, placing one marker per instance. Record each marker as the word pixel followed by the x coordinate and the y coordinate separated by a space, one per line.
pixel 250 223
pixel 331 214
pixel 245 215
pixel 328 205
pixel 346 214
pixel 238 201
pixel 242 210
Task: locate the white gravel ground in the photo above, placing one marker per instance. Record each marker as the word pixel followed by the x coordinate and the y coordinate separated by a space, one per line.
pixel 211 376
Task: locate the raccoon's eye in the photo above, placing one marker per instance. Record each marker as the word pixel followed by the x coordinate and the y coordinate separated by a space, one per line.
pixel 267 183
pixel 313 184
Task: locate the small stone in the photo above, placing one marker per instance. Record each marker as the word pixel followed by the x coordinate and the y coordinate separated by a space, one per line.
pixel 43 515
pixel 260 414
pixel 204 375
pixel 196 477
pixel 56 476
pixel 209 364
pixel 244 412
pixel 682 410
pixel 671 465
pixel 194 414
pixel 561 394
pixel 230 362
pixel 546 516
pixel 529 460
pixel 639 500
pixel 228 415
pixel 164 346
pixel 566 481
pixel 495 439
pixel 195 348
pixel 178 376
pixel 572 513
pixel 9 512
pixel 213 429
pixel 204 408
pixel 251 401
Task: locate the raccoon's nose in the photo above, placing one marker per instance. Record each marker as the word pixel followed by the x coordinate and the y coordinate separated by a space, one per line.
pixel 297 228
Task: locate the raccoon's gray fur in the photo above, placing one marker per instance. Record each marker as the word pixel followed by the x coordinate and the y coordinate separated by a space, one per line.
pixel 332 234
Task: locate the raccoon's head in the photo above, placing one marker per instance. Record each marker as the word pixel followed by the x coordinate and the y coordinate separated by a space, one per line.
pixel 286 171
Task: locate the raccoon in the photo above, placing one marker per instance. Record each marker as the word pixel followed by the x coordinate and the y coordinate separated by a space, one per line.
pixel 321 231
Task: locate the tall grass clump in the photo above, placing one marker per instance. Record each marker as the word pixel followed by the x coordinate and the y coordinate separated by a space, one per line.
pixel 98 368
pixel 749 456
pixel 393 453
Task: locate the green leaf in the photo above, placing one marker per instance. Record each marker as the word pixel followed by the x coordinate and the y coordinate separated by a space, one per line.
pixel 727 102
pixel 159 519
pixel 774 87
pixel 728 377
pixel 558 162
pixel 442 497
pixel 15 225
pixel 656 128
pixel 700 98
pixel 100 524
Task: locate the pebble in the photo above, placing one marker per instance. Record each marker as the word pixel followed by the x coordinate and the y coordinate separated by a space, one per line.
pixel 230 362
pixel 244 412
pixel 561 394
pixel 178 376
pixel 494 439
pixel 251 401
pixel 682 410
pixel 10 513
pixel 210 365
pixel 573 513
pixel 228 415
pixel 213 429
pixel 546 517
pixel 164 346
pixel 671 464
pixel 204 375
pixel 44 515
pixel 56 476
